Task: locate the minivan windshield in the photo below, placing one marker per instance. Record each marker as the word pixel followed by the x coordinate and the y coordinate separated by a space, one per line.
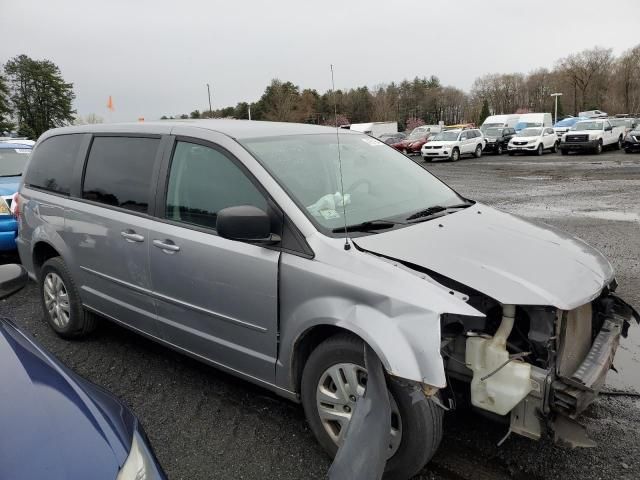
pixel 588 126
pixel 529 132
pixel 447 136
pixel 379 182
pixel 13 161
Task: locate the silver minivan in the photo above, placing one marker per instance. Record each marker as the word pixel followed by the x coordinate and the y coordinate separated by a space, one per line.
pixel 278 251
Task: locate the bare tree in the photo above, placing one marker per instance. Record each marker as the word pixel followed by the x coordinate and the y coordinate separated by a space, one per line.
pixel 627 81
pixel 587 75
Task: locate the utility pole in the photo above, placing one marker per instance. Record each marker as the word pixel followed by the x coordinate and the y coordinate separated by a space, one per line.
pixel 249 111
pixel 209 93
pixel 556 95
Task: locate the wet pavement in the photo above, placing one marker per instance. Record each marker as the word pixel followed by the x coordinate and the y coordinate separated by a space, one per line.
pixel 205 424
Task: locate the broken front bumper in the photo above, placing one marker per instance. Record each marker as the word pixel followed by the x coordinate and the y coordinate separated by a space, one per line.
pixel 571 394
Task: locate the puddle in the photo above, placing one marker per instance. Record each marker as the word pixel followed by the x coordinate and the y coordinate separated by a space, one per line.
pixel 627 362
pixel 614 215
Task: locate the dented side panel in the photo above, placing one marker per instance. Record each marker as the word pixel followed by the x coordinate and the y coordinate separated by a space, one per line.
pixel 396 312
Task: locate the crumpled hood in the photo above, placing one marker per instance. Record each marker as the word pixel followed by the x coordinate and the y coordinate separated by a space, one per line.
pixel 501 255
pixel 50 426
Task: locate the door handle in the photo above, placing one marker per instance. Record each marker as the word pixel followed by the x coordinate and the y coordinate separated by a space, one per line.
pixel 167 246
pixel 131 236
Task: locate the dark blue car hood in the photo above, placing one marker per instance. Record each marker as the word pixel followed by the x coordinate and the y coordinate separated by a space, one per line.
pixel 9 185
pixel 54 424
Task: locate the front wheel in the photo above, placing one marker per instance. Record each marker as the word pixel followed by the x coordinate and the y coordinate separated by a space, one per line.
pixel 598 149
pixel 540 150
pixel 455 155
pixel 334 378
pixel 564 152
pixel 499 151
pixel 478 152
pixel 61 302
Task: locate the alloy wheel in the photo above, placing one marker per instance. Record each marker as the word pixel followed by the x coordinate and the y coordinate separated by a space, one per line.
pixel 338 390
pixel 56 299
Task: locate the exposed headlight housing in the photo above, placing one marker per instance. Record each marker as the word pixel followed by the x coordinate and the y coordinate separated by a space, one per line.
pixel 138 466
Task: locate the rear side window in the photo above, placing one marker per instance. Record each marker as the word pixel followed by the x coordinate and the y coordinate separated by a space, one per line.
pixel 51 165
pixel 119 171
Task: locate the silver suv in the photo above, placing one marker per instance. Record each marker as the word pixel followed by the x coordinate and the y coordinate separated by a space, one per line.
pixel 236 243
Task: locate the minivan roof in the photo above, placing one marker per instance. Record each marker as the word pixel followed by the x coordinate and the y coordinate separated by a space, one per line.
pixel 233 128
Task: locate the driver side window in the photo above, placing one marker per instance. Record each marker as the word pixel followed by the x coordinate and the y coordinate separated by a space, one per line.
pixel 203 181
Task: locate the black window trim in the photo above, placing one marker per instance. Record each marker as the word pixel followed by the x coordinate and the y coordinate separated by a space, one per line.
pixel 162 145
pixel 274 209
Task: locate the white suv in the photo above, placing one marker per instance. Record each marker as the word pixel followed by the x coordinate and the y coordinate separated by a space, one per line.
pixel 451 144
pixel 534 140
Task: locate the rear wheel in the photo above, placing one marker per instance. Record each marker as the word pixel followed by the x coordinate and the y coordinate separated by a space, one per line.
pixel 499 150
pixel 564 152
pixel 554 149
pixel 619 144
pixel 455 155
pixel 478 152
pixel 334 378
pixel 61 302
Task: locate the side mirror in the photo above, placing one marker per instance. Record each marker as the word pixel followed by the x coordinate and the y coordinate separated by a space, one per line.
pixel 245 223
pixel 12 278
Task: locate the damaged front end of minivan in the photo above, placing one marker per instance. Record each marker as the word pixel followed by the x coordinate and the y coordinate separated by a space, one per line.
pixel 541 366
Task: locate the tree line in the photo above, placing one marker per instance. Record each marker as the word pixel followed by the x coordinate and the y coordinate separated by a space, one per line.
pixel 591 79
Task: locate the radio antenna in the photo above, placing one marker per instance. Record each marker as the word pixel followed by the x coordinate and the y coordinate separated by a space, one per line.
pixel 347 245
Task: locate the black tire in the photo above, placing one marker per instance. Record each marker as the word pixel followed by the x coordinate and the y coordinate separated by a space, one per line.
pixel 564 152
pixel 540 150
pixel 598 149
pixel 478 152
pixel 619 144
pixel 511 154
pixel 626 150
pixel 554 149
pixel 80 322
pixel 455 155
pixel 421 419
pixel 499 150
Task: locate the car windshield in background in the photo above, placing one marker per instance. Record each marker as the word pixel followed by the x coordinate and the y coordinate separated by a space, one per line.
pixel 567 122
pixel 530 132
pixel 417 134
pixel 13 161
pixel 588 126
pixel 446 136
pixel 379 182
pixel 493 132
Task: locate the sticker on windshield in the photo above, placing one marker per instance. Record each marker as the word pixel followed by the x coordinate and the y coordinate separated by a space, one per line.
pixel 23 150
pixel 372 141
pixel 329 214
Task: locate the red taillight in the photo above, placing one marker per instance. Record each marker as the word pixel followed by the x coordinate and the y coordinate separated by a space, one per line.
pixel 15 205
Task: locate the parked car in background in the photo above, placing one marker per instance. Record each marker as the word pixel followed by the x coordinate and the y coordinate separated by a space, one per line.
pixel 497 139
pixel 375 129
pixel 632 140
pixel 499 121
pixel 452 144
pixel 627 124
pixel 54 423
pixel 528 120
pixel 563 126
pixel 416 139
pixel 21 141
pixel 533 140
pixel 219 239
pixel 592 135
pixel 13 160
pixel 391 138
pixel 594 114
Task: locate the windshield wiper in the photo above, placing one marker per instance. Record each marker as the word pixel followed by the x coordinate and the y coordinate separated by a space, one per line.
pixel 368 226
pixel 429 212
pixel 11 175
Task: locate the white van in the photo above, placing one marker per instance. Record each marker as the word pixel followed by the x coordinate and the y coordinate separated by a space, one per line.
pixel 500 121
pixel 529 120
pixel 375 129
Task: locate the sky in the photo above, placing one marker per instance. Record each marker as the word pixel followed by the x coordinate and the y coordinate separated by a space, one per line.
pixel 155 57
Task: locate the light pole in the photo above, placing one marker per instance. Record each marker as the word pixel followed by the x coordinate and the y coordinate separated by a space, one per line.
pixel 209 93
pixel 556 95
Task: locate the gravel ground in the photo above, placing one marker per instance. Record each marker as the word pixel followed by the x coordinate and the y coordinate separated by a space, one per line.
pixel 206 424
